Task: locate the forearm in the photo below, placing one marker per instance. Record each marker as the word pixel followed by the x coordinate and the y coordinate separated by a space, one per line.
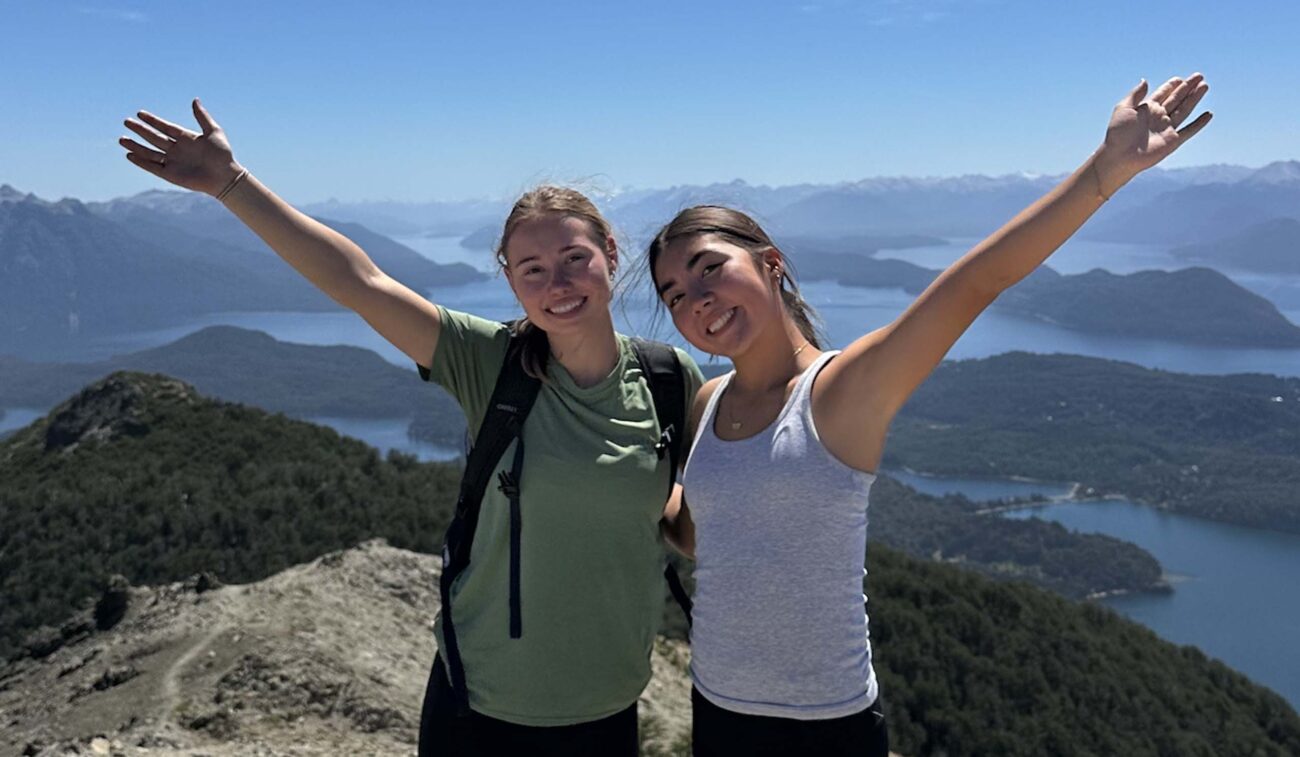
pixel 331 261
pixel 1023 243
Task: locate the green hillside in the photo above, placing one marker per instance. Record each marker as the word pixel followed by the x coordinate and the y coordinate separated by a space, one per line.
pixel 140 475
pixel 1220 447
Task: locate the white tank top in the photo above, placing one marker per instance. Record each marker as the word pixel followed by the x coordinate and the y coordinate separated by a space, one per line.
pixel 779 622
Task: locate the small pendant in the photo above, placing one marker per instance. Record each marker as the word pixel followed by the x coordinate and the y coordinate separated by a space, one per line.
pixel 735 425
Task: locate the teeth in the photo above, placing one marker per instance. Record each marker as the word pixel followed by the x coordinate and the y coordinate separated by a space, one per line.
pixel 722 321
pixel 565 307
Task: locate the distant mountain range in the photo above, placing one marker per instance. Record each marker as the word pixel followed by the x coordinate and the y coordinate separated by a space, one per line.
pixel 1271 246
pixel 1193 305
pixel 1177 206
pixel 70 270
pixel 73 270
pixel 238 365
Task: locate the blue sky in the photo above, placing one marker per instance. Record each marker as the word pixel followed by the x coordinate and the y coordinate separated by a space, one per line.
pixel 444 100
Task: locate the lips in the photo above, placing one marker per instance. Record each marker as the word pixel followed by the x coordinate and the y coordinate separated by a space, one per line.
pixel 566 307
pixel 720 322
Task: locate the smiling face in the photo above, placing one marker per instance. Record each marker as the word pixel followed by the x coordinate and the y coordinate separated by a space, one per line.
pixel 561 272
pixel 721 296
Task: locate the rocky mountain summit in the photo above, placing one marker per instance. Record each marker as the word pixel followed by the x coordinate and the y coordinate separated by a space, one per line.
pixel 329 657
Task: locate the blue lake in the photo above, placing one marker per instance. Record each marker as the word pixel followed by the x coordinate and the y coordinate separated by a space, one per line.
pixel 387 434
pixel 15 418
pixel 1235 594
pixel 1236 597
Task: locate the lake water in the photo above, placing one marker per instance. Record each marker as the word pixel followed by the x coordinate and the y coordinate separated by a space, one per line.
pixel 15 418
pixel 1235 598
pixel 848 312
pixel 1235 595
pixel 387 434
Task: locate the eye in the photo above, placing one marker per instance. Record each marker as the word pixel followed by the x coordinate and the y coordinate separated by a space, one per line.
pixel 672 301
pixel 708 269
pixel 576 257
pixel 532 269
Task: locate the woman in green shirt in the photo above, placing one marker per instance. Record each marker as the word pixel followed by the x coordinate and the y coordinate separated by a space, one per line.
pixel 563 674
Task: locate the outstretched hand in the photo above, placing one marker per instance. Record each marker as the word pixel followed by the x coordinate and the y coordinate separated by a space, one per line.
pixel 202 161
pixel 1144 131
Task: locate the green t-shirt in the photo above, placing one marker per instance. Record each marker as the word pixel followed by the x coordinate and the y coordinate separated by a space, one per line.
pixel 591 558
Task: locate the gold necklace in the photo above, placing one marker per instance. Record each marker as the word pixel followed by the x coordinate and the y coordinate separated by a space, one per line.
pixel 735 424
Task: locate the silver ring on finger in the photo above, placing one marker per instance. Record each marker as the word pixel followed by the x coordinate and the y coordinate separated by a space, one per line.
pixel 162 162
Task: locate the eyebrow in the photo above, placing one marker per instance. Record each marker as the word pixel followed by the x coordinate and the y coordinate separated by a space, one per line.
pixel 689 265
pixel 536 257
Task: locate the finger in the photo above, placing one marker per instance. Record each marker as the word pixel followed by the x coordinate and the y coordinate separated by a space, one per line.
pixel 1190 130
pixel 164 126
pixel 154 168
pixel 149 135
pixel 204 118
pixel 140 151
pixel 1164 90
pixel 1189 103
pixel 1176 96
pixel 1179 93
pixel 1135 96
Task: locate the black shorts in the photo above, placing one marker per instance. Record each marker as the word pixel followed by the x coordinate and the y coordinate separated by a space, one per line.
pixel 722 733
pixel 443 732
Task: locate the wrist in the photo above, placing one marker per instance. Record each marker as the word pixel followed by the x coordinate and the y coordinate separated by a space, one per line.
pixel 1108 174
pixel 233 181
pixel 224 176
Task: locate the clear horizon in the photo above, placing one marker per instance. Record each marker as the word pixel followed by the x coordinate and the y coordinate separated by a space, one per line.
pixel 413 102
pixel 594 193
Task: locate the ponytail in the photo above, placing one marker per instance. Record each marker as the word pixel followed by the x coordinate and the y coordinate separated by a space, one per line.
pixel 801 312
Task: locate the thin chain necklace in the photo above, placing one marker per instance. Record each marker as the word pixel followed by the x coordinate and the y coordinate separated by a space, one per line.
pixel 735 424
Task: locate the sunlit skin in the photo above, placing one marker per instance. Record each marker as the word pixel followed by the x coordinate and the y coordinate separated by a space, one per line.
pixel 562 273
pixel 857 394
pixel 570 257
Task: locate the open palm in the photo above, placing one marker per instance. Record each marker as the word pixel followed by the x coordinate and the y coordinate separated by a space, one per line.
pixel 1144 131
pixel 201 161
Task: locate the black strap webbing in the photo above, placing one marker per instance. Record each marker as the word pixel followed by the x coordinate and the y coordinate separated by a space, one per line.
pixel 663 372
pixel 512 399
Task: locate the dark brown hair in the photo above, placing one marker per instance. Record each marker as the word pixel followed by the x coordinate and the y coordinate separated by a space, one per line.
pixel 548 199
pixel 741 230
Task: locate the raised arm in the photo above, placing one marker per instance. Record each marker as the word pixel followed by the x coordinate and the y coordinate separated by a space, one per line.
pixel 862 389
pixel 204 162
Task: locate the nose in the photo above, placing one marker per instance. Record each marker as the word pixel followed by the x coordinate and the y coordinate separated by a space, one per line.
pixel 701 300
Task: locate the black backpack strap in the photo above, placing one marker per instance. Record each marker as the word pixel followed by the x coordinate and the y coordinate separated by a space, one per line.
pixel 663 372
pixel 512 398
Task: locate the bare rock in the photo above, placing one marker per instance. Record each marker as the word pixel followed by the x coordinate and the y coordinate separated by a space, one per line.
pixel 326 658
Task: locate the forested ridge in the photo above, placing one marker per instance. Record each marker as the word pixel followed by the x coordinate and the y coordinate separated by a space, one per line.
pixel 1220 447
pixel 140 475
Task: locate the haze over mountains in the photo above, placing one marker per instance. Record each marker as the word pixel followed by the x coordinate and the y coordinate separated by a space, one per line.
pixel 1175 205
pixel 72 270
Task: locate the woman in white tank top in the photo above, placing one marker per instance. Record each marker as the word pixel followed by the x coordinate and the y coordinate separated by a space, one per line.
pixel 786 446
